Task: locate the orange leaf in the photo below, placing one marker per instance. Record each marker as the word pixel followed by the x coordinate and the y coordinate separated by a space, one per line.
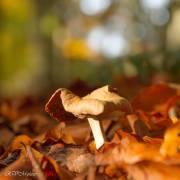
pixel 150 97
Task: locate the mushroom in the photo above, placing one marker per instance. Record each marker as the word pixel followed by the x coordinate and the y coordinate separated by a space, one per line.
pixel 95 106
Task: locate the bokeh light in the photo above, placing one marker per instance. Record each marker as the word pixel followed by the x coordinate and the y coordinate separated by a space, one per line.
pixel 114 45
pixel 111 44
pixel 154 4
pixel 94 39
pixel 159 17
pixel 93 7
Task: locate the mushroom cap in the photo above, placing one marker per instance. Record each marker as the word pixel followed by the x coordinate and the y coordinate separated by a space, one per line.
pixel 100 102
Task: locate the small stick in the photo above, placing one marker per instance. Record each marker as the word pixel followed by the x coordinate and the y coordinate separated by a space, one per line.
pixel 97 132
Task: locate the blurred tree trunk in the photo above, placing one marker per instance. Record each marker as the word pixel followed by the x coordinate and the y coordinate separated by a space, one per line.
pixel 1 74
pixel 45 42
pixel 163 33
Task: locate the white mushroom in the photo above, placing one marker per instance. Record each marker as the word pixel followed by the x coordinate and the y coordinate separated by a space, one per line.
pixel 98 104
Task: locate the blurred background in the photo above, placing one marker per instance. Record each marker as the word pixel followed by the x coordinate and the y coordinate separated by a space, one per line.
pixel 46 44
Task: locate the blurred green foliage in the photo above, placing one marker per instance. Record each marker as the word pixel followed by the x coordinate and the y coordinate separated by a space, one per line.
pixel 44 44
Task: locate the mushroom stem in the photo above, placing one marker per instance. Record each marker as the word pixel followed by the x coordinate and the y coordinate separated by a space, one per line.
pixel 97 131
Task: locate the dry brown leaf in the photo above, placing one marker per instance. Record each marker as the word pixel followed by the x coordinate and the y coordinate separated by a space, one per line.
pixel 153 171
pixel 150 98
pixel 67 150
pixel 46 166
pixel 34 161
pixel 19 141
pixel 78 160
pixel 59 133
pixel 130 152
pixel 171 143
pixel 20 165
pixel 113 171
pixel 138 126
